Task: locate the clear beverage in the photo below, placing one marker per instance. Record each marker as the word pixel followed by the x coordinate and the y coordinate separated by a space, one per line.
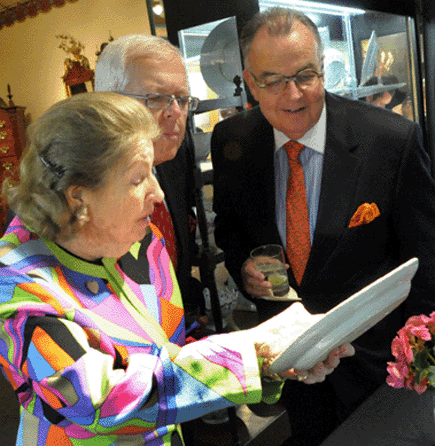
pixel 270 260
pixel 275 272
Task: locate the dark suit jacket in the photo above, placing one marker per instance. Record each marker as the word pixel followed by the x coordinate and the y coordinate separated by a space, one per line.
pixel 176 180
pixel 372 156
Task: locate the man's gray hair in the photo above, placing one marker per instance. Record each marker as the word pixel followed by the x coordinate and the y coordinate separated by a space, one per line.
pixel 278 21
pixel 112 71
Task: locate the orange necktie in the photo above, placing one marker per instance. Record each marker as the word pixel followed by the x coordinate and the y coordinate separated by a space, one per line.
pixel 162 219
pixel 298 243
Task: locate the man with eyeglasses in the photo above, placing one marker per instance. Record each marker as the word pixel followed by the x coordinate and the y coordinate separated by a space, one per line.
pixel 151 70
pixel 342 185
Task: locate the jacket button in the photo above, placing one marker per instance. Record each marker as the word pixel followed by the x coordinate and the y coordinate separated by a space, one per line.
pixel 92 286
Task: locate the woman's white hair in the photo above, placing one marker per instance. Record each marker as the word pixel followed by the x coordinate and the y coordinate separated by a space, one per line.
pixel 112 71
pixel 77 141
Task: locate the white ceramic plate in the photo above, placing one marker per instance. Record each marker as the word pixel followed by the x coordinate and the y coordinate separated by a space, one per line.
pixel 348 320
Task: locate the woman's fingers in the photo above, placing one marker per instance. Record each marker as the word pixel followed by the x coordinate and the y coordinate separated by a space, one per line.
pixel 298 375
pixel 343 351
pixel 319 372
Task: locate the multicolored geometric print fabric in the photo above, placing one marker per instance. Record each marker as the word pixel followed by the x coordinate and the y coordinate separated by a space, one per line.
pixel 98 359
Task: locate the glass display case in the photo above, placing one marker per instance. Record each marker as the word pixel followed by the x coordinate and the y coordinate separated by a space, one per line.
pixel 214 69
pixel 368 55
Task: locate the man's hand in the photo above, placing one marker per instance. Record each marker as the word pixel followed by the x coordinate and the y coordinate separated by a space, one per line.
pixel 254 282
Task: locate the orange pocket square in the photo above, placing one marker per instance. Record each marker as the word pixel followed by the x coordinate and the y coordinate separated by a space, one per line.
pixel 366 213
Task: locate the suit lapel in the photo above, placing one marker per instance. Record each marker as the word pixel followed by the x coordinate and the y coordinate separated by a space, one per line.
pixel 339 182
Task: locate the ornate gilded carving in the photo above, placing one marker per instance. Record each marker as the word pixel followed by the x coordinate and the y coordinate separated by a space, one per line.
pixel 77 69
pixel 7 166
pixel 73 48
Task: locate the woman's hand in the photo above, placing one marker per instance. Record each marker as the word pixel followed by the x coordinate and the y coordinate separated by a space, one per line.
pixel 274 335
pixel 319 372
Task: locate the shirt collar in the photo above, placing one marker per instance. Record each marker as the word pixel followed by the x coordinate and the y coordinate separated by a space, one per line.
pixel 314 139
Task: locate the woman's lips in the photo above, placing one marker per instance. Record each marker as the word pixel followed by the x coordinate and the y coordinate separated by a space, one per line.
pixel 171 135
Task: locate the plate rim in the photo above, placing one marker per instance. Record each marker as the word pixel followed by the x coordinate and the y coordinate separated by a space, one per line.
pixel 367 293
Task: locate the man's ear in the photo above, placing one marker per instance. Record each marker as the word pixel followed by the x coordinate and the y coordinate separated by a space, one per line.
pixel 251 83
pixel 75 196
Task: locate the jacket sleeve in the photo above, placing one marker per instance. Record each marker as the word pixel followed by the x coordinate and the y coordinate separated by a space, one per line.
pixel 229 234
pixel 64 371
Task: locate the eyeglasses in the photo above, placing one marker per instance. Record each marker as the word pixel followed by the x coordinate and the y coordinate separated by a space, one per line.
pixel 164 101
pixel 275 83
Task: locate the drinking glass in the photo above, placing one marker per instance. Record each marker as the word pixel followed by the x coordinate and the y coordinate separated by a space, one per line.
pixel 270 261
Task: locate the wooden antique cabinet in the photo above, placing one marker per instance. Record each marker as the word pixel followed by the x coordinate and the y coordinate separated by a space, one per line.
pixel 12 143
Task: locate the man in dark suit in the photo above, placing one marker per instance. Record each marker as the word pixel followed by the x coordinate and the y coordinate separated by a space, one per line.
pixel 151 69
pixel 368 192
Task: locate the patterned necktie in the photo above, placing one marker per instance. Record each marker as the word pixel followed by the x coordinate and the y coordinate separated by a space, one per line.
pixel 162 219
pixel 298 231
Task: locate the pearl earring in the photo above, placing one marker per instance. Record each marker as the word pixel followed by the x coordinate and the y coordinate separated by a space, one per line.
pixel 82 215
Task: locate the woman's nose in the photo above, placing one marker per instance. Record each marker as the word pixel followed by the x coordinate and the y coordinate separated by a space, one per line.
pixel 157 193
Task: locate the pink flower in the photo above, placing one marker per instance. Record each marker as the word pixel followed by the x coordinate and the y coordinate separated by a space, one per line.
pixel 417 325
pixel 422 319
pixel 401 348
pixel 431 323
pixel 398 372
pixel 422 387
pixel 413 349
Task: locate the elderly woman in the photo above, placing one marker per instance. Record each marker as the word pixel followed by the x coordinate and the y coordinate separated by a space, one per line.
pixel 96 353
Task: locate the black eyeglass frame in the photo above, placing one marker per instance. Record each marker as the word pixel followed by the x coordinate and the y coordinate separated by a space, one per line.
pixel 287 79
pixel 192 102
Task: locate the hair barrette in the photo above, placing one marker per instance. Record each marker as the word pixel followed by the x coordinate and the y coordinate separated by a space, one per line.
pixel 56 170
